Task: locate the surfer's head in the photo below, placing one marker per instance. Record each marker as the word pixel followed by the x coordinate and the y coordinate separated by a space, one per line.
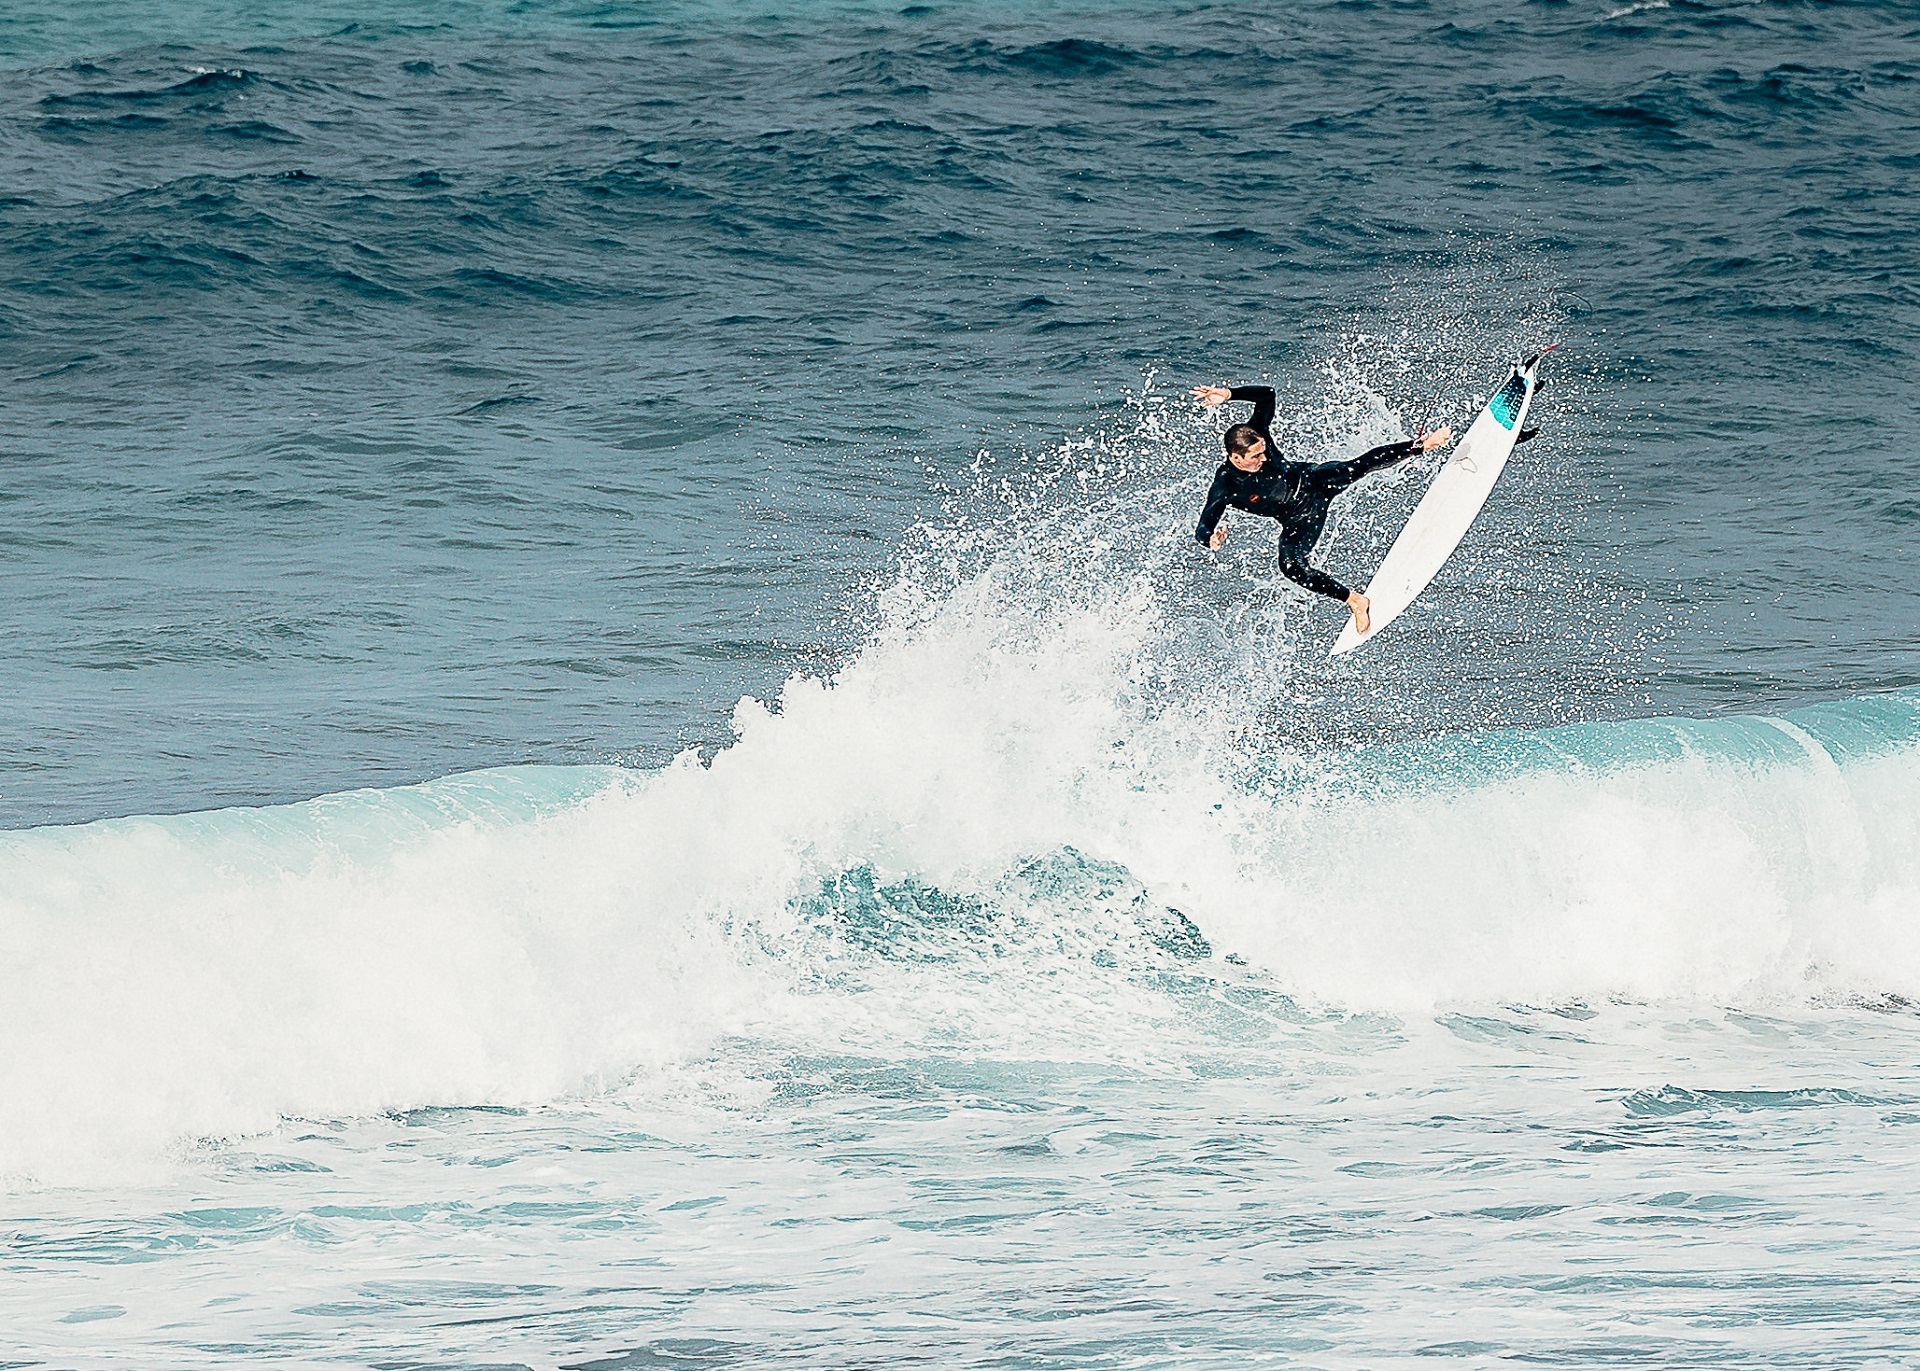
pixel 1246 447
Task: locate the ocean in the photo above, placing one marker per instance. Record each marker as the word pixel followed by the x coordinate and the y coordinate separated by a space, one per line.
pixel 617 752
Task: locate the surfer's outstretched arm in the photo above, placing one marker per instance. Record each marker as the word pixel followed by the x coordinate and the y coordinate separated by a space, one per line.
pixel 1210 514
pixel 1260 397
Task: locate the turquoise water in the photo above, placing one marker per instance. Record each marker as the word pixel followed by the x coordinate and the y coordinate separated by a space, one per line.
pixel 620 756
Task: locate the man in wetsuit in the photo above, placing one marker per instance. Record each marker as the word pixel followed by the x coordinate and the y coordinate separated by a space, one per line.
pixel 1298 494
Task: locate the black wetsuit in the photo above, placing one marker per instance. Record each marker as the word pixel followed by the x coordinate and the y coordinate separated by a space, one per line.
pixel 1296 493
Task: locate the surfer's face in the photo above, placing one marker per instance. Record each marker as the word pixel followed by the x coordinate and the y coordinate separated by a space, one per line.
pixel 1252 459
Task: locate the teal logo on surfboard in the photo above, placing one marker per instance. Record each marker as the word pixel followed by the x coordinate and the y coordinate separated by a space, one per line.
pixel 1506 405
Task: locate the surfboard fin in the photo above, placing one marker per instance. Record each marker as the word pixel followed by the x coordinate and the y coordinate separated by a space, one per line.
pixel 1527 435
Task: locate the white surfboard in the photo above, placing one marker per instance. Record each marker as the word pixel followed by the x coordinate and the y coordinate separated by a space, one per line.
pixel 1449 507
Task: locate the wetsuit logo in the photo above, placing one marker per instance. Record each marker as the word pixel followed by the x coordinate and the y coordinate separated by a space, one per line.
pixel 1506 405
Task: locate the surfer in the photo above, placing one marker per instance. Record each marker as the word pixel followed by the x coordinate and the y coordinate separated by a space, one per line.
pixel 1298 494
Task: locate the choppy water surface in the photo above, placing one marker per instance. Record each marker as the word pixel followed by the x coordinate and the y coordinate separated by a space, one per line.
pixel 450 414
pixel 1495 1188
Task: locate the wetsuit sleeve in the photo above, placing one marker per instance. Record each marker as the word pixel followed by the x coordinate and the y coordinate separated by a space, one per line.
pixel 1261 398
pixel 1210 513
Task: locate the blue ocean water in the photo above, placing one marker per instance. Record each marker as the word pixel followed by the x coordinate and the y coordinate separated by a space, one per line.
pixel 618 753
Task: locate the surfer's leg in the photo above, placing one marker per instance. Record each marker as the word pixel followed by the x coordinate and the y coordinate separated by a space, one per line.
pixel 1330 478
pixel 1295 567
pixel 1309 577
pixel 1296 544
pixel 1386 455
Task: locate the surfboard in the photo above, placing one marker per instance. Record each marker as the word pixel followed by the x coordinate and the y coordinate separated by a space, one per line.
pixel 1449 507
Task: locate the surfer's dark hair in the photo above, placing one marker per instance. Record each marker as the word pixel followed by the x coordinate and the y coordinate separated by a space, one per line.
pixel 1241 438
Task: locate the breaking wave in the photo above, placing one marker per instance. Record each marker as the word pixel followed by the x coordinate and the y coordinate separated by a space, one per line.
pixel 1017 822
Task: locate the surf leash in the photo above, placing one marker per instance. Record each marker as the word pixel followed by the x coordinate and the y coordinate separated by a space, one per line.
pixel 1534 360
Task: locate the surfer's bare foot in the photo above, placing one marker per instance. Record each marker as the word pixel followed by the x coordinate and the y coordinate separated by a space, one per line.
pixel 1361 607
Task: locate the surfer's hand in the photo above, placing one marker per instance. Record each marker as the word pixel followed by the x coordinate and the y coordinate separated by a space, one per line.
pixel 1219 536
pixel 1440 437
pixel 1212 395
